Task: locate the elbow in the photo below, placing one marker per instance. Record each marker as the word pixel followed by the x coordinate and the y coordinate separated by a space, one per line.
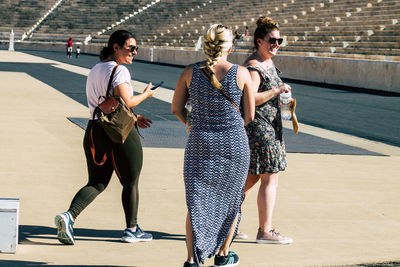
pixel 249 118
pixel 129 103
pixel 247 121
pixel 174 110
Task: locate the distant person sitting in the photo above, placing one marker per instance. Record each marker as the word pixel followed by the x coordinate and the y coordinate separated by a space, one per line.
pixel 69 47
pixel 237 36
pixel 78 51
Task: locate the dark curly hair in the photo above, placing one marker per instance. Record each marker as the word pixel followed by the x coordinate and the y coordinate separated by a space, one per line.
pixel 118 37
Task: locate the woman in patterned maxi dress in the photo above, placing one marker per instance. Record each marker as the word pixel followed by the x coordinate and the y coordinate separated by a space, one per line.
pixel 217 152
pixel 267 147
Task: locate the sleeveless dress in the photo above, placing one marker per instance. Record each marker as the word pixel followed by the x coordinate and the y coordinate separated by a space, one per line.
pixel 216 161
pixel 267 147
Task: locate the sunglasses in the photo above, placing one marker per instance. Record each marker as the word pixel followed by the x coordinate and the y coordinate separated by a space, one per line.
pixel 133 48
pixel 273 40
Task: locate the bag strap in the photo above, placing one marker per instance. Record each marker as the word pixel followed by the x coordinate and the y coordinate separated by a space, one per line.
pixel 107 92
pixel 92 149
pixel 115 165
pixel 110 81
pixel 103 160
pixel 208 74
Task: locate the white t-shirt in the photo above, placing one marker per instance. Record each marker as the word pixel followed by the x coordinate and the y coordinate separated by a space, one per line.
pixel 97 82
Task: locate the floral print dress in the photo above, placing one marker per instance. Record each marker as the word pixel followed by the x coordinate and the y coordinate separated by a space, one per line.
pixel 267 148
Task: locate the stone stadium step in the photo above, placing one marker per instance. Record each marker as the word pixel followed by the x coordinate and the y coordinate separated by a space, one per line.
pixel 179 23
pixel 23 15
pixel 372 38
pixel 368 51
pixel 307 49
pixel 57 37
pixel 385 45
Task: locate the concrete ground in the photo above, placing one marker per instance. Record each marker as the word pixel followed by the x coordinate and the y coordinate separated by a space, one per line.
pixel 339 209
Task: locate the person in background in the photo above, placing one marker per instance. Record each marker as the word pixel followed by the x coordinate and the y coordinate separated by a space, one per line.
pixel 69 47
pixel 217 151
pixel 236 39
pixel 126 158
pixel 268 155
pixel 78 51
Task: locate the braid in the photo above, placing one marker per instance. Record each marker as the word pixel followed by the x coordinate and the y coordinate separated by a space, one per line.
pixel 217 41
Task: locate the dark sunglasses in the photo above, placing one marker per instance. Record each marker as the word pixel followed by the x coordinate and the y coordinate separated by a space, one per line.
pixel 133 48
pixel 273 40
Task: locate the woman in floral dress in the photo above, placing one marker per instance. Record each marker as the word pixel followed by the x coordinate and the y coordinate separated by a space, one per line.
pixel 267 148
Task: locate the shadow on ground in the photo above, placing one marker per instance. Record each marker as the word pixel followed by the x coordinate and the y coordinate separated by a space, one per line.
pixel 46 234
pixel 34 263
pixel 383 264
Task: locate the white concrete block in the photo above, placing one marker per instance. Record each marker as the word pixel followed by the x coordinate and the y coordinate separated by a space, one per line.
pixel 9 210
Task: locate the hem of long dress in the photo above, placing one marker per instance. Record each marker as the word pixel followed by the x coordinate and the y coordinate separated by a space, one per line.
pixel 238 213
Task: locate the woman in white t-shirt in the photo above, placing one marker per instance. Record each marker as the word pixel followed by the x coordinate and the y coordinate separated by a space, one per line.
pixel 121 49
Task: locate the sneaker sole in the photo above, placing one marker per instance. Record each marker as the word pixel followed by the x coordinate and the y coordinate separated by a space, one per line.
pixel 273 242
pixel 135 240
pixel 229 265
pixel 64 236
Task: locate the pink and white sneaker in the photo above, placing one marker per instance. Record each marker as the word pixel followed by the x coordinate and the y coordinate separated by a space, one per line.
pixel 241 235
pixel 272 237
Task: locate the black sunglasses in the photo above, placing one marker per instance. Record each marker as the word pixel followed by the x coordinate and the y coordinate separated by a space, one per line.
pixel 273 40
pixel 133 48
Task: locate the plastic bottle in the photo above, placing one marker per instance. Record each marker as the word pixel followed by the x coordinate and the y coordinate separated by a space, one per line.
pixel 286 100
pixel 188 108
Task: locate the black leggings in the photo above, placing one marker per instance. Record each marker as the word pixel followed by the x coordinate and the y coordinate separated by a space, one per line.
pixel 128 159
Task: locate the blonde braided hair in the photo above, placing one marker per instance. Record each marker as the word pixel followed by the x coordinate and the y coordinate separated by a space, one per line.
pixel 217 42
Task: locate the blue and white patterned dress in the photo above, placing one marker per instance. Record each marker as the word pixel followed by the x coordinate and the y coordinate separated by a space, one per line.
pixel 216 162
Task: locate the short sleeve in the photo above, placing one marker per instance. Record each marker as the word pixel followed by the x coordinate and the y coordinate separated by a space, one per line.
pixel 260 71
pixel 121 76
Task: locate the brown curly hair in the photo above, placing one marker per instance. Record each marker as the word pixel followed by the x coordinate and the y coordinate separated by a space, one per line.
pixel 265 25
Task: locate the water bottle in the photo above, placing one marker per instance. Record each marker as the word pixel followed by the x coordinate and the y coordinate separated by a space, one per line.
pixel 286 101
pixel 188 108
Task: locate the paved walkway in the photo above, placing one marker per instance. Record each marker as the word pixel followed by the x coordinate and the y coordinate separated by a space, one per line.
pixel 339 209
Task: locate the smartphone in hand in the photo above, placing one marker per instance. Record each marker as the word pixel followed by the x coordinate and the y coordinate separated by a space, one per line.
pixel 155 86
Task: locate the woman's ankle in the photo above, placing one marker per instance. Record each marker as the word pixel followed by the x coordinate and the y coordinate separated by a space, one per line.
pixel 222 253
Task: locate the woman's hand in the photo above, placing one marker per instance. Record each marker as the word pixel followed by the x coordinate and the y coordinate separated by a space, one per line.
pixel 282 88
pixel 124 90
pixel 147 92
pixel 143 122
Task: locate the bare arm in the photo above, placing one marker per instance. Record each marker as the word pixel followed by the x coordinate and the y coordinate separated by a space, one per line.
pixel 248 102
pixel 124 91
pixel 181 94
pixel 262 97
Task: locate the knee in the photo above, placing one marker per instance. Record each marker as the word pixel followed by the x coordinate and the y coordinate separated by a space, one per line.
pixel 99 186
pixel 270 180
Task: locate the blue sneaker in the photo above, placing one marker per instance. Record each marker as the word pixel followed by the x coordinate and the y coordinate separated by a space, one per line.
pixel 65 232
pixel 188 264
pixel 130 236
pixel 231 260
